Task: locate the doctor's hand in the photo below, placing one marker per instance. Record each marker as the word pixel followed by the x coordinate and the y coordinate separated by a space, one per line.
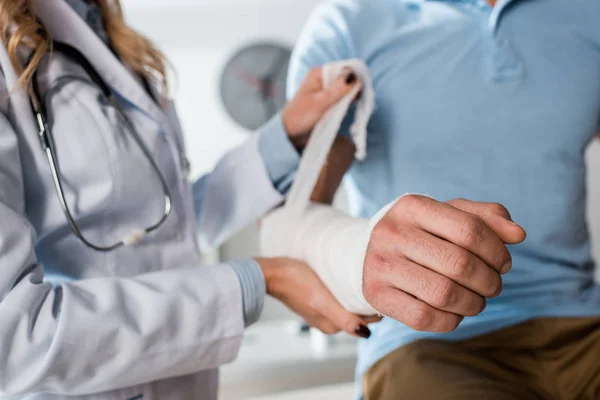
pixel 297 286
pixel 429 264
pixel 311 102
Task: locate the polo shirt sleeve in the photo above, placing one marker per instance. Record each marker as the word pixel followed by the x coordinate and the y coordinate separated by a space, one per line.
pixel 325 38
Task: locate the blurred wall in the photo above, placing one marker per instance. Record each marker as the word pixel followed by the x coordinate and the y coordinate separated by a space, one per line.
pixel 198 36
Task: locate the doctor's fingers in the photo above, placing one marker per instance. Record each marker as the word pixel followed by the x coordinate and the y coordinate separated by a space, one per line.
pixel 333 313
pixel 325 98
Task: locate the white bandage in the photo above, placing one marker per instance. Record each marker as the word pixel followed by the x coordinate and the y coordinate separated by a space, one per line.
pixel 331 242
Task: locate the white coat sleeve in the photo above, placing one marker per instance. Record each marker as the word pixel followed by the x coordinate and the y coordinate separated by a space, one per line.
pixel 107 333
pixel 240 190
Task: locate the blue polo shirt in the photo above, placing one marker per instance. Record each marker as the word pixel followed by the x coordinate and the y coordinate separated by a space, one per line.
pixel 485 104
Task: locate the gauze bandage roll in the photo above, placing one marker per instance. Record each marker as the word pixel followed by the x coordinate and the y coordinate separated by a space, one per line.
pixel 330 241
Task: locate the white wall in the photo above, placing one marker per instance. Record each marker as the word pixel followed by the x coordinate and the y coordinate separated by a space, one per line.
pixel 198 37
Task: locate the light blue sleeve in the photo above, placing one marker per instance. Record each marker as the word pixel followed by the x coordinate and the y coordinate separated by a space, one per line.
pixel 279 155
pixel 279 160
pixel 253 286
pixel 236 193
pixel 268 161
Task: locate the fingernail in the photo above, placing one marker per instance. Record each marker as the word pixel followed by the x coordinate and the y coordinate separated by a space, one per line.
pixel 363 331
pixel 304 327
pixel 498 291
pixel 506 267
pixel 350 78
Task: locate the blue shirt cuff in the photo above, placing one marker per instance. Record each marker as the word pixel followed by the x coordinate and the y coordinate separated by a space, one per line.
pixel 253 286
pixel 279 155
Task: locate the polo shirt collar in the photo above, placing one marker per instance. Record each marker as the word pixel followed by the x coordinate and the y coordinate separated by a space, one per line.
pixel 495 12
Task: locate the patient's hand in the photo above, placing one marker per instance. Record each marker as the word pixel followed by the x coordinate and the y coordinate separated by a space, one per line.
pixel 429 264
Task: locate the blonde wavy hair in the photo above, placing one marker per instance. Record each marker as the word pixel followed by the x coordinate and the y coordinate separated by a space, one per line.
pixel 19 28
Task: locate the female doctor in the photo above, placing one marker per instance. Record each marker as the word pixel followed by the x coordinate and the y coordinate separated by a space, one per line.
pixel 101 291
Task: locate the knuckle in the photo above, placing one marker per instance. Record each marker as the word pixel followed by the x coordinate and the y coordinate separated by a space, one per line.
pixel 499 209
pixel 459 265
pixel 502 257
pixel 377 262
pixel 457 202
pixel 384 265
pixel 410 201
pixel 420 318
pixel 423 246
pixel 475 306
pixel 444 294
pixel 371 289
pixel 450 324
pixel 494 287
pixel 470 231
pixel 382 232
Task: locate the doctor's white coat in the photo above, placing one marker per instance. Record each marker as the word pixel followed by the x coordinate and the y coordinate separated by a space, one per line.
pixel 143 322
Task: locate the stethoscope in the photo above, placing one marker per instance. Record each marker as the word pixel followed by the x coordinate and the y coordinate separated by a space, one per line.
pixel 48 146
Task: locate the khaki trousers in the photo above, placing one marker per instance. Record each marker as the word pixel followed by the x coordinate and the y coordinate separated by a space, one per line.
pixel 543 359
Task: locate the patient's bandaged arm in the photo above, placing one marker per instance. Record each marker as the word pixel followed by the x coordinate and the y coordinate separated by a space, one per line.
pixel 333 243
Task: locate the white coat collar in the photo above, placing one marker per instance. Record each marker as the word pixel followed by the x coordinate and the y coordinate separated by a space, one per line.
pixel 66 26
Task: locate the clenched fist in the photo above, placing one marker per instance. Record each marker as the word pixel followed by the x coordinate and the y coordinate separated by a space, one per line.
pixel 429 264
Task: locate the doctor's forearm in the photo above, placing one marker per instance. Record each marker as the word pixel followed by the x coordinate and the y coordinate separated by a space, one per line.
pixel 127 331
pixel 288 132
pixel 236 193
pixel 279 155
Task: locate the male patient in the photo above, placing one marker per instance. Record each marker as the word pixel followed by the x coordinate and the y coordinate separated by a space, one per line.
pixel 491 103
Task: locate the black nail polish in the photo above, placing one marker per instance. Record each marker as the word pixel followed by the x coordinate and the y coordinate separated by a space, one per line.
pixel 304 328
pixel 363 331
pixel 350 78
